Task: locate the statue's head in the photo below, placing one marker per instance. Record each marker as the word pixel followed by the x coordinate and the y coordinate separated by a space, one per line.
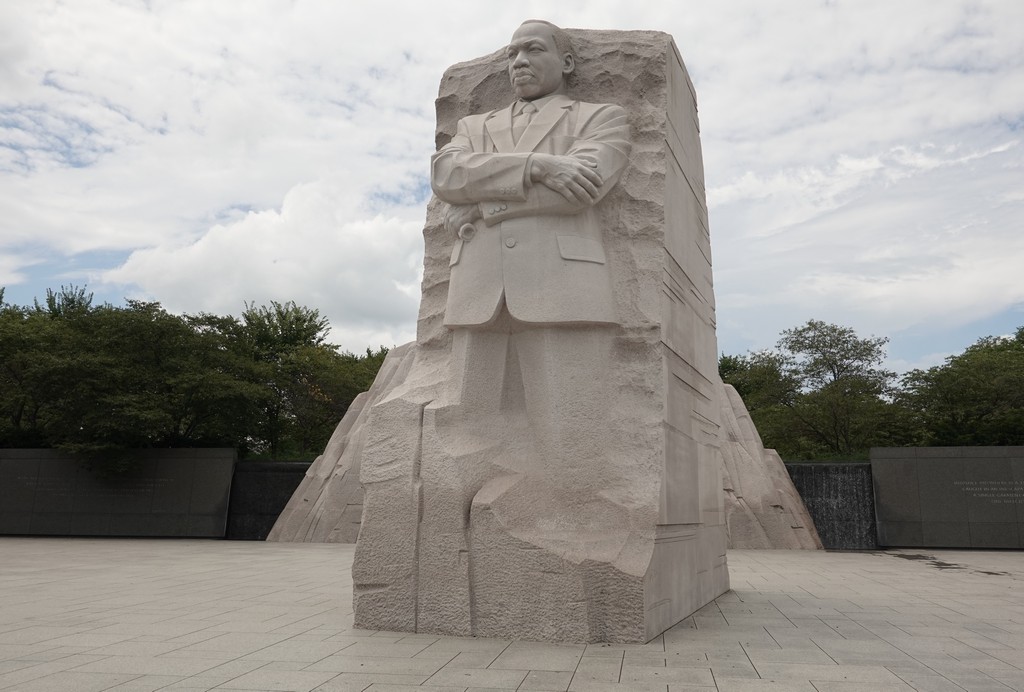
pixel 540 59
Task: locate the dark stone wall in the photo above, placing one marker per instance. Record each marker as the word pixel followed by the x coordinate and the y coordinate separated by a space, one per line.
pixel 949 497
pixel 840 500
pixel 259 493
pixel 166 493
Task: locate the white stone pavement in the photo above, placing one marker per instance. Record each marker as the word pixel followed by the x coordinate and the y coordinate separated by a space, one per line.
pixel 88 615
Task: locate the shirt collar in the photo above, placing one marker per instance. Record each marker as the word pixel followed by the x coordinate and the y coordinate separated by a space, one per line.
pixel 538 103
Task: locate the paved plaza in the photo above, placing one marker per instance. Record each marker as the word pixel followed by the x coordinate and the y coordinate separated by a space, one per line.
pixel 138 615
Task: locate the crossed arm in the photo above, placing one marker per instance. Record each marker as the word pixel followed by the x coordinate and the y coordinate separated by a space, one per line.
pixel 576 180
pixel 531 184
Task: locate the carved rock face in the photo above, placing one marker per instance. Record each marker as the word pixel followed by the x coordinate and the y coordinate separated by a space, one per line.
pixel 535 67
pixel 762 505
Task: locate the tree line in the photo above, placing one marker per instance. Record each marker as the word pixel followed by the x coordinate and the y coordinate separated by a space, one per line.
pixel 822 393
pixel 97 380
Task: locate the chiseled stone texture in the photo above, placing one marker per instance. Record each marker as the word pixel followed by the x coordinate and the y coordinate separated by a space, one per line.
pixel 474 534
pixel 328 504
pixel 762 507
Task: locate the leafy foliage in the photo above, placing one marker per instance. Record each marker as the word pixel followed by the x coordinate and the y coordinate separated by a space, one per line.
pixel 821 394
pixel 975 398
pixel 99 379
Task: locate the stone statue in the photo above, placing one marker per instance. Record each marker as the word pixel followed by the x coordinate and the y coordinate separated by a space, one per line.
pixel 524 180
pixel 530 296
pixel 543 463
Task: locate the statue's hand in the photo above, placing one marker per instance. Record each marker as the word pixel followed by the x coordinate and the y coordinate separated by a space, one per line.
pixel 574 177
pixel 458 215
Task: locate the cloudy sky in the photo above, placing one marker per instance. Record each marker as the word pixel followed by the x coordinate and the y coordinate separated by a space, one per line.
pixel 864 159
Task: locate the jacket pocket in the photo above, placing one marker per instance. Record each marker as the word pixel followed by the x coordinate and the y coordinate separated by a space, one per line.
pixel 574 247
pixel 456 253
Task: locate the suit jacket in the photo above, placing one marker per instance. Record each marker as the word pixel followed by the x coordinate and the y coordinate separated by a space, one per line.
pixel 541 251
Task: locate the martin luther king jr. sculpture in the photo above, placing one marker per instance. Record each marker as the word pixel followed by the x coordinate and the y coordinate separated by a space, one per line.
pixel 530 295
pixel 544 463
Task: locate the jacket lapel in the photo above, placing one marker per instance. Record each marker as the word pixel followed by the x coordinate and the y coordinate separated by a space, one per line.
pixel 499 129
pixel 542 123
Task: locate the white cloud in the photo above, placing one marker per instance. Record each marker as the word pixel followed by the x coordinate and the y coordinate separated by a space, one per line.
pixel 358 273
pixel 12 269
pixel 931 245
pixel 862 158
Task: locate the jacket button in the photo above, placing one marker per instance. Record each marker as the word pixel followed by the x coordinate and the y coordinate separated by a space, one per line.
pixel 510 242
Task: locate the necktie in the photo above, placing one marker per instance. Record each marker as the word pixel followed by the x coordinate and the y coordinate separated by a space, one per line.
pixel 522 121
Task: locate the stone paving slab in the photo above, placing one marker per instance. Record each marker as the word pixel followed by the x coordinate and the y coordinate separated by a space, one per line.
pixel 121 615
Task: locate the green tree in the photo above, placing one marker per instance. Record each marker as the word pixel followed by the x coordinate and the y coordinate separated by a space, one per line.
pixel 822 354
pixel 308 383
pixel 138 376
pixel 319 384
pixel 70 301
pixel 97 380
pixel 274 336
pixel 974 398
pixel 275 330
pixel 763 378
pixel 821 394
pixel 28 378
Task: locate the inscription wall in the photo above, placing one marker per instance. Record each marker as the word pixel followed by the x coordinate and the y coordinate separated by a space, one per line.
pixel 949 497
pixel 168 493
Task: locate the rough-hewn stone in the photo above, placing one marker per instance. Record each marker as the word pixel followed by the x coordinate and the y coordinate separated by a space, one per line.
pixel 762 507
pixel 327 506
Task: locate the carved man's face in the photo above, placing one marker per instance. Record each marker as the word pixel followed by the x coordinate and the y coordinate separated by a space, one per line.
pixel 534 64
